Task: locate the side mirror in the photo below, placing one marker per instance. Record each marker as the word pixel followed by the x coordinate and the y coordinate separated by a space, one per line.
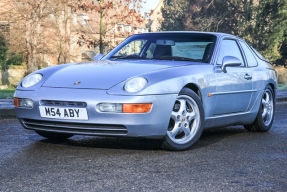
pixel 98 57
pixel 229 61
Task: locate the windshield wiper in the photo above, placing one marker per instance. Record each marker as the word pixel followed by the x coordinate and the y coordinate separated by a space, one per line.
pixel 127 57
pixel 177 58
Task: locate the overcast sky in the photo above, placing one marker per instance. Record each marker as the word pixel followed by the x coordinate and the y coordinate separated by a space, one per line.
pixel 150 4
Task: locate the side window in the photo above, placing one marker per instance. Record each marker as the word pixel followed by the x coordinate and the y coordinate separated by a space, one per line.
pixel 133 48
pixel 229 48
pixel 251 61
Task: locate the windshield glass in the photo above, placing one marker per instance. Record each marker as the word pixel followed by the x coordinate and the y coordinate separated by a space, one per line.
pixel 165 46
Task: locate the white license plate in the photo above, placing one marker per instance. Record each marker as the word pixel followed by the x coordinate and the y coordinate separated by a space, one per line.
pixel 63 113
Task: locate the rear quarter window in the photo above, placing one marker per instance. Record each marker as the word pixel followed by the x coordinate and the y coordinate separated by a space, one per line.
pixel 250 58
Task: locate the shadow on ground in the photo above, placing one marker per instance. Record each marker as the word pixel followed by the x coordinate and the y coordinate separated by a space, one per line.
pixel 208 137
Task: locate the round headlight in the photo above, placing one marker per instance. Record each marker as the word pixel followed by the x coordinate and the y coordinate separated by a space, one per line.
pixel 31 80
pixel 135 84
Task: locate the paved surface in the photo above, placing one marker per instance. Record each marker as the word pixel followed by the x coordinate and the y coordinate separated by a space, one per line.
pixel 281 96
pixel 225 159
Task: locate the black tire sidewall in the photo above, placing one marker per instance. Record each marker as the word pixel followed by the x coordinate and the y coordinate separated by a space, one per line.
pixel 168 143
pixel 259 124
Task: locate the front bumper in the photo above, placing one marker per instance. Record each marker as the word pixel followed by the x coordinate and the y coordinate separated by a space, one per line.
pixel 152 124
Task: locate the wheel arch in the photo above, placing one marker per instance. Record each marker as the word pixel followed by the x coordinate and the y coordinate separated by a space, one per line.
pixel 273 89
pixel 195 89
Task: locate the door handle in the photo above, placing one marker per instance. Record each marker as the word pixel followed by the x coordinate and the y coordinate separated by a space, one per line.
pixel 247 77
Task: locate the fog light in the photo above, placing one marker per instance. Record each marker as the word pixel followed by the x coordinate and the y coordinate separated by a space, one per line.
pixel 110 107
pixel 26 103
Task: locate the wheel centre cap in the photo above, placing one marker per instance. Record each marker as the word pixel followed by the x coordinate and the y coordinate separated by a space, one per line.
pixel 267 105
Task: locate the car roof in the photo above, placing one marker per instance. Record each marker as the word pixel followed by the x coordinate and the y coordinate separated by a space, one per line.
pixel 218 34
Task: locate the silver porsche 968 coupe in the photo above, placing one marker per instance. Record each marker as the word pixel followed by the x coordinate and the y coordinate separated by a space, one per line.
pixel 165 85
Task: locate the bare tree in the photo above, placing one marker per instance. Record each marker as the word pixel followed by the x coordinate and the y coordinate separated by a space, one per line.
pixel 109 14
pixel 60 26
pixel 40 28
pixel 27 18
pixel 47 32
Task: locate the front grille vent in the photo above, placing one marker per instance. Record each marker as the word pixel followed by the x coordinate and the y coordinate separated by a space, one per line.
pixel 63 103
pixel 74 128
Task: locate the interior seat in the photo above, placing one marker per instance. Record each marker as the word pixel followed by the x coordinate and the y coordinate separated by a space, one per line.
pixel 162 50
pixel 207 52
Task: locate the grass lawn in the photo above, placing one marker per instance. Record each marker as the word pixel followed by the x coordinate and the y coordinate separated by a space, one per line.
pixel 282 86
pixel 7 93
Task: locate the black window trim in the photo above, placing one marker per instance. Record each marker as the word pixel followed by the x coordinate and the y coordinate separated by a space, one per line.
pixel 251 50
pixel 240 49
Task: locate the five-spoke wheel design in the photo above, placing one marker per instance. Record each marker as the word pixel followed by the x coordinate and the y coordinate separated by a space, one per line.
pixel 265 116
pixel 185 125
pixel 267 107
pixel 185 120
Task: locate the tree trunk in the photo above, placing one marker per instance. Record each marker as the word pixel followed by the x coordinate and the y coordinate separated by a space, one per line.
pixel 101 32
pixel 67 35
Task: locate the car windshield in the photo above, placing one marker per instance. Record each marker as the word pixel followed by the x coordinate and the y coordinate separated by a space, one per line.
pixel 165 46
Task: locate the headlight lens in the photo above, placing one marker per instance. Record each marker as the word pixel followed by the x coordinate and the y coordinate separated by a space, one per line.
pixel 31 80
pixel 135 84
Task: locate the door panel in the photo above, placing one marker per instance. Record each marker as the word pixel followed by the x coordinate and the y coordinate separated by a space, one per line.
pixel 233 90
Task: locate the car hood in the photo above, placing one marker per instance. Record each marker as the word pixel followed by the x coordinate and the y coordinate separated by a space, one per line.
pixel 103 74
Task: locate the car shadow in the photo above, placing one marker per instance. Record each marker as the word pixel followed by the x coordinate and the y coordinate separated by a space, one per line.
pixel 216 135
pixel 208 137
pixel 109 142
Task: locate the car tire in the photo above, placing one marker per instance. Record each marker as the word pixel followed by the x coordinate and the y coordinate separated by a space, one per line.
pixel 54 136
pixel 265 116
pixel 186 122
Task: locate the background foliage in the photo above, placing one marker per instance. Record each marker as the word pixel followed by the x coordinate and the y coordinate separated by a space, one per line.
pixel 42 28
pixel 47 32
pixel 8 58
pixel 262 23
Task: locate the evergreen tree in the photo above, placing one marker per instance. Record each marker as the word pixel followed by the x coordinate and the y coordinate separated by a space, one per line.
pixel 3 52
pixel 173 14
pixel 283 52
pixel 201 16
pixel 8 58
pixel 261 22
pixel 269 26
